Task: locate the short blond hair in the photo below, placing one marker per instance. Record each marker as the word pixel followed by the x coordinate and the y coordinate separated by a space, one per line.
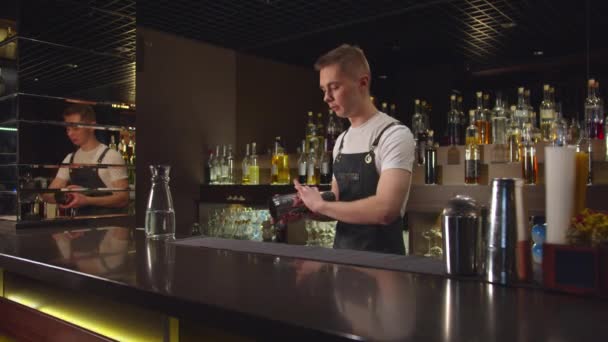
pixel 350 58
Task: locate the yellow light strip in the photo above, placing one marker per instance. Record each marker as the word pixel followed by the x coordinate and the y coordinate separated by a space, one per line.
pixel 1 282
pixel 111 319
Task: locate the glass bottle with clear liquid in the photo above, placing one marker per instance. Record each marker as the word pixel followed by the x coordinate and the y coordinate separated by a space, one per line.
pixel 499 131
pixel 419 130
pixel 160 213
pixel 592 112
pixel 559 128
pixel 521 115
pixel 547 113
pixel 454 123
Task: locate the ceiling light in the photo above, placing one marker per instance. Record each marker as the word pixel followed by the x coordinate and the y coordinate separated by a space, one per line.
pixel 71 66
pixel 383 77
pixel 538 53
pixel 508 25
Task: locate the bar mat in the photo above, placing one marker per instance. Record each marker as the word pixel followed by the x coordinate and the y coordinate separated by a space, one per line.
pixel 394 262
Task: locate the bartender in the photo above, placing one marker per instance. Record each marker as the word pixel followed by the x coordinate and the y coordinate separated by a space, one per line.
pixel 372 160
pixel 90 151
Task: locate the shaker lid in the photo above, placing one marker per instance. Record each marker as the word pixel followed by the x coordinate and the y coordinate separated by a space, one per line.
pixel 461 205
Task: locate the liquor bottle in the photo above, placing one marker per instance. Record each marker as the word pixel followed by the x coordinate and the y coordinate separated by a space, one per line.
pixel 529 163
pixel 574 131
pixel 333 131
pixel 521 110
pixel 472 160
pixel 320 132
pixel 312 168
pixel 430 165
pixel 130 148
pixel 326 166
pixel 230 165
pixel 302 160
pixel 487 110
pixel 426 114
pixel 558 132
pixel 275 162
pixel 419 131
pixel 224 166
pixel 254 167
pixel 453 123
pixel 499 131
pixel 209 169
pixel 463 120
pixel 599 122
pixel 113 143
pixel 122 148
pixel 311 133
pixel 481 121
pixel 284 175
pixel 245 167
pixel 547 113
pixel 592 111
pixel 514 138
pixel 393 110
pixel 216 167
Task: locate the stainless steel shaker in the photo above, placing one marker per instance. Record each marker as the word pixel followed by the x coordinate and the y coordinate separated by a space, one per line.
pixel 461 224
pixel 506 227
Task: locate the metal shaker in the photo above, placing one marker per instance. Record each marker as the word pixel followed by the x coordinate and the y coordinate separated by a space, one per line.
pixel 461 224
pixel 505 257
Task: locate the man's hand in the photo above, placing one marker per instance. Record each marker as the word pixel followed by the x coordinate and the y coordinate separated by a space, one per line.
pixel 310 196
pixel 76 200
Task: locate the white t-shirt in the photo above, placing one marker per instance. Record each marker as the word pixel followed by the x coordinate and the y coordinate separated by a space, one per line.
pixel 396 148
pixel 107 175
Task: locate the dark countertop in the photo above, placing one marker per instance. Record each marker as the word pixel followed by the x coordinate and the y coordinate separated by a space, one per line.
pixel 268 297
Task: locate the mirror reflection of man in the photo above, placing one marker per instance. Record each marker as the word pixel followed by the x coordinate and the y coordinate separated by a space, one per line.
pixel 372 160
pixel 90 151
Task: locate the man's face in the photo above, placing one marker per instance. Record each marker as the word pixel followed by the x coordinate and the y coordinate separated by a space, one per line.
pixel 78 135
pixel 341 91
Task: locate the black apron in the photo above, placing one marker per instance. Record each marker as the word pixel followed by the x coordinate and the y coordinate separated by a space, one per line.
pixel 88 177
pixel 357 178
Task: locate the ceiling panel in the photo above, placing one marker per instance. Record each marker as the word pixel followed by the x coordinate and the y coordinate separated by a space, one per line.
pixel 473 33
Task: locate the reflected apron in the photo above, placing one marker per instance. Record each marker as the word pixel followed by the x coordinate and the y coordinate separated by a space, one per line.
pixel 89 178
pixel 357 178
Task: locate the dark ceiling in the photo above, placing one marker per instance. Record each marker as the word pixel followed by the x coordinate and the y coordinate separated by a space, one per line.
pixel 81 49
pixel 476 34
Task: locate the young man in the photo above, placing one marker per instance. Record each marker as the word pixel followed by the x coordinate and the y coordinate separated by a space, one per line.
pixel 90 151
pixel 372 160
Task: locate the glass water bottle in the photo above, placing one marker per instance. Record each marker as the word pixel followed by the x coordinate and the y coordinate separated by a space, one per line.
pixel 160 214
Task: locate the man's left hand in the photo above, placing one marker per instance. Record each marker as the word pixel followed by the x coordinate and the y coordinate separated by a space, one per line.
pixel 310 196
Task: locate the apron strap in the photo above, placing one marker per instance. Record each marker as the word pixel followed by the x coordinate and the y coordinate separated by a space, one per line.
pixel 377 140
pixel 103 154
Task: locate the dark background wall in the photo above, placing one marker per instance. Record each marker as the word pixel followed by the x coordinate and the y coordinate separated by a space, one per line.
pixel 186 101
pixel 192 96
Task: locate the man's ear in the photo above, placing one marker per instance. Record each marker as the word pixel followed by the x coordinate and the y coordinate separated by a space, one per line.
pixel 364 81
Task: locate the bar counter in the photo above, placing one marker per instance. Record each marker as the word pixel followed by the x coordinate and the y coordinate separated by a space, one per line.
pixel 262 296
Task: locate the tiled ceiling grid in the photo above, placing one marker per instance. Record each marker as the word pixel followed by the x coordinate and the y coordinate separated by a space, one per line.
pixel 75 48
pixel 477 32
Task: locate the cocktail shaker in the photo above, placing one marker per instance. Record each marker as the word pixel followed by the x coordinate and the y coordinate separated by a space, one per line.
pixel 461 222
pixel 507 240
